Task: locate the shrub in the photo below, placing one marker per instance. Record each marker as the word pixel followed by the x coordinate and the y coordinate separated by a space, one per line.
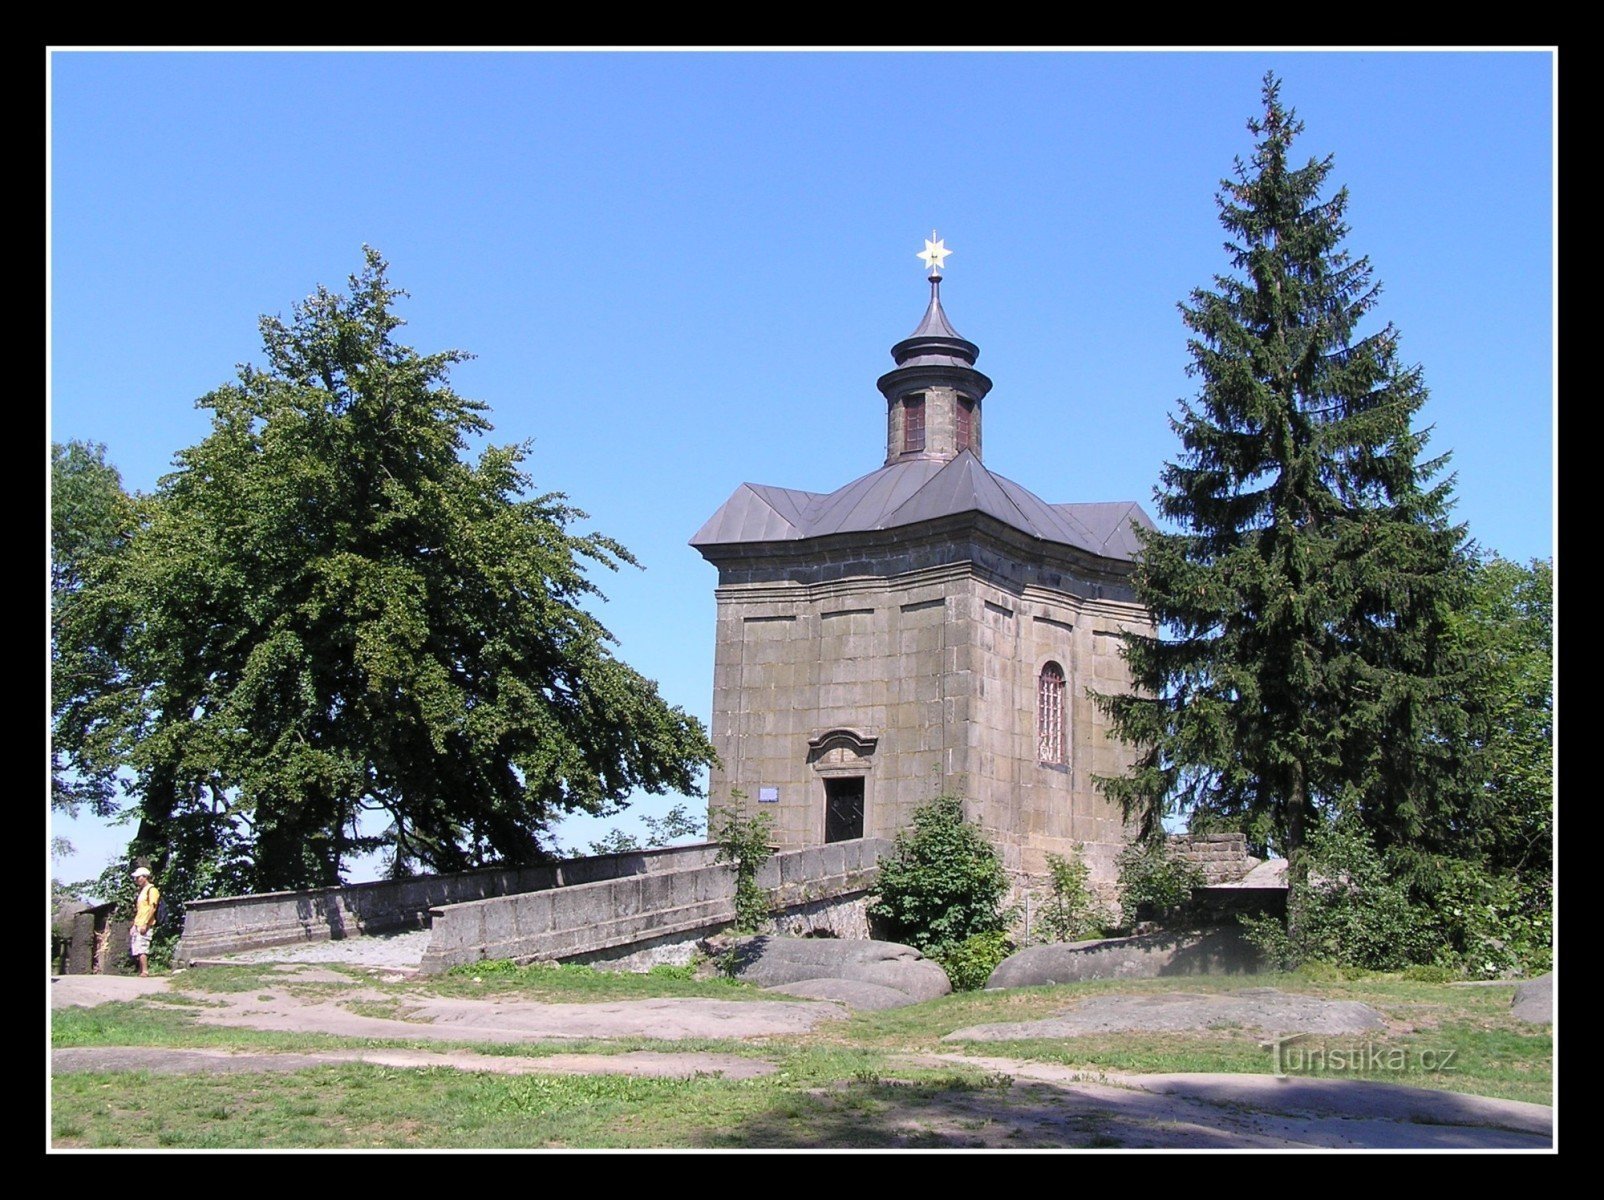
pixel 1270 938
pixel 1346 908
pixel 1488 925
pixel 942 884
pixel 1153 877
pixel 1071 912
pixel 970 963
pixel 743 843
pixel 1357 908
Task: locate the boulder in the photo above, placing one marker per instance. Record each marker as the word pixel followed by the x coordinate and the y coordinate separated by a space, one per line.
pixel 1534 1000
pixel 775 961
pixel 1216 951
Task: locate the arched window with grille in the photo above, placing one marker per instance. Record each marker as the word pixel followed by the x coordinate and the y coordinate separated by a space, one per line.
pixel 1050 714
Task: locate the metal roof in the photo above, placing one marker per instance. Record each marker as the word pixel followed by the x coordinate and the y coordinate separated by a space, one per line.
pixel 909 493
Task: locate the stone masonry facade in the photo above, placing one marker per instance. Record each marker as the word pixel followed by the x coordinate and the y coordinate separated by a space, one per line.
pixel 914 667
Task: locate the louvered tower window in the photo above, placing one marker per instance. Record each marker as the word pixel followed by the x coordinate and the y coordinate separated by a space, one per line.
pixel 966 423
pixel 913 424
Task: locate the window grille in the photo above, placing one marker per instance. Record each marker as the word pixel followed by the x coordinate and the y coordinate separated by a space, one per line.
pixel 1050 714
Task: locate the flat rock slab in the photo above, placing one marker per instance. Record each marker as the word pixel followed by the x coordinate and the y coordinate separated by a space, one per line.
pixel 671 1019
pixel 1270 873
pixel 1534 1000
pixel 86 991
pixel 1270 1112
pixel 1263 1009
pixel 854 993
pixel 188 1062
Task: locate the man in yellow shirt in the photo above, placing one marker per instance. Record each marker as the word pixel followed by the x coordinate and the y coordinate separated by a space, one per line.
pixel 144 919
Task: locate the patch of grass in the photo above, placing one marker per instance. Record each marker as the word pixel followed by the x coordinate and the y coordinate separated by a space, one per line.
pixel 386 1010
pixel 253 977
pixel 138 1023
pixel 577 983
pixel 182 1001
pixel 363 1106
pixel 540 1049
pixel 120 1023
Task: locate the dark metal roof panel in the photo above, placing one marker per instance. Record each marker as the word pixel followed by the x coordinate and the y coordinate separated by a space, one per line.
pixel 865 503
pixel 909 493
pixel 1110 522
pixel 754 513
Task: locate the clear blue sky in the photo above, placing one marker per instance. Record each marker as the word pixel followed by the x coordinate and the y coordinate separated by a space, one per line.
pixel 681 271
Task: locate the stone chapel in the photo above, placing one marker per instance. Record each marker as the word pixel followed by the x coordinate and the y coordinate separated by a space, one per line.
pixel 928 627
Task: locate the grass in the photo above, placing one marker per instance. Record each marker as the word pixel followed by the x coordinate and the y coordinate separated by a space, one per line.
pixel 364 1106
pixel 577 984
pixel 857 1082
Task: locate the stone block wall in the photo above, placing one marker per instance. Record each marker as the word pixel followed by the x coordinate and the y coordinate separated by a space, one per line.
pixel 1222 857
pixel 658 916
pixel 233 924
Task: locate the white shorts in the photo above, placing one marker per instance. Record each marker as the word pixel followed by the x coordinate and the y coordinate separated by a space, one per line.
pixel 138 943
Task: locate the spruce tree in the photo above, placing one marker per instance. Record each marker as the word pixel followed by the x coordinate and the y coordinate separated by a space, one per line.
pixel 1302 603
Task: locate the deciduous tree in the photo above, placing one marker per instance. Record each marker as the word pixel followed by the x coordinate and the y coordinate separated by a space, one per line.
pixel 92 520
pixel 332 612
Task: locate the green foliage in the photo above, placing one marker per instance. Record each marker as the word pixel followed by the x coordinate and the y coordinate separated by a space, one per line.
pixel 678 822
pixel 1505 633
pixel 970 963
pixel 1304 599
pixel 1155 880
pixel 1488 925
pixel 327 610
pixel 1357 908
pixel 91 522
pixel 745 843
pixel 1347 908
pixel 1071 911
pixel 1270 937
pixel 942 884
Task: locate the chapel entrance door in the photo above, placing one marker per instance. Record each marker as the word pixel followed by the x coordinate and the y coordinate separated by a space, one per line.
pixel 843 808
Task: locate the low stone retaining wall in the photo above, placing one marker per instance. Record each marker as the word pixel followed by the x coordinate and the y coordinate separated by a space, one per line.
pixel 238 923
pixel 666 911
pixel 1222 857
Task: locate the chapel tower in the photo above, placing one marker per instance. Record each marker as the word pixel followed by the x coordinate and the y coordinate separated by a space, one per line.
pixel 930 626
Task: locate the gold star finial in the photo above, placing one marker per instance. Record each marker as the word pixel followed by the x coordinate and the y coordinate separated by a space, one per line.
pixel 935 253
